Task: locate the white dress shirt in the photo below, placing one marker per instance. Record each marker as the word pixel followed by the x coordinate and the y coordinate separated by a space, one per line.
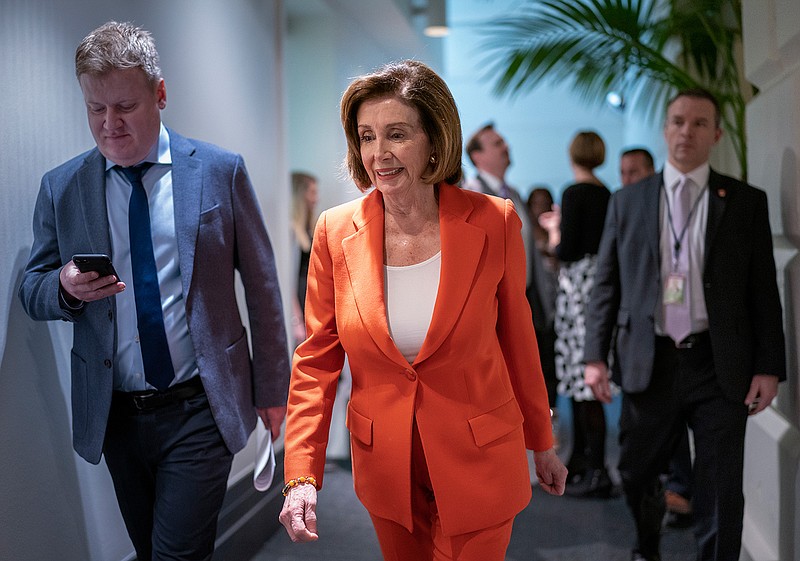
pixel 694 242
pixel 157 182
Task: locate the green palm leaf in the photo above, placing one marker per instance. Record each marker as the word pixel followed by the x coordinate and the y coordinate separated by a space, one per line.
pixel 595 46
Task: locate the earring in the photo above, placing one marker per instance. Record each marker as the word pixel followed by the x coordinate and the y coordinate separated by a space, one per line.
pixel 432 159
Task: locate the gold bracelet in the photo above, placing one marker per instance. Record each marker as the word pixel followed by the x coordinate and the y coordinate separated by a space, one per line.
pixel 308 479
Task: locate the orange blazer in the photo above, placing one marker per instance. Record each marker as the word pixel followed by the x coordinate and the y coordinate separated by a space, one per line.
pixel 475 389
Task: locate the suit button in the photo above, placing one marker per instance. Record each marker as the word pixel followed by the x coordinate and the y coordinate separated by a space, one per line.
pixel 107 363
pixel 411 375
pixel 707 285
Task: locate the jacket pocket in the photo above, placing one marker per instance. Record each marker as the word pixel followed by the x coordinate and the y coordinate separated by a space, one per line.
pixel 210 215
pixel 359 425
pixel 238 354
pixel 498 422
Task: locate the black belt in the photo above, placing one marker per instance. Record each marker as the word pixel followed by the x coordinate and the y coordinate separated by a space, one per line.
pixel 153 399
pixel 703 338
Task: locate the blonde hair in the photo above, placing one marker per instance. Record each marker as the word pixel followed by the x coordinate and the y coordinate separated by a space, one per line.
pixel 416 85
pixel 117 46
pixel 303 216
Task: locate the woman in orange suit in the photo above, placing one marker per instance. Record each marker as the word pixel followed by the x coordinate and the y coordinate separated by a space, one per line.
pixel 422 285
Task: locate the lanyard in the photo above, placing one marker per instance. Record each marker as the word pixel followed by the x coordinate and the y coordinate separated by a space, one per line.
pixel 678 239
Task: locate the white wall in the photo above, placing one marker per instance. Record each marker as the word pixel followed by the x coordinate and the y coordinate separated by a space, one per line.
pixel 223 70
pixel 772 462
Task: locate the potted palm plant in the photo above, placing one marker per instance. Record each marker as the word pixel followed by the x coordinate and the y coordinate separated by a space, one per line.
pixel 645 49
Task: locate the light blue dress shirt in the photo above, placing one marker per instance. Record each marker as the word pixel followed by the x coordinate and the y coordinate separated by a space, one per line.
pixel 157 181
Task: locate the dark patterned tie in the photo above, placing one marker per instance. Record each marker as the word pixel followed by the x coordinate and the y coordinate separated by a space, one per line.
pixel 158 370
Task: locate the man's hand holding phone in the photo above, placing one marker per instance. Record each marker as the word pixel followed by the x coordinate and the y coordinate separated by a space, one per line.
pixel 89 277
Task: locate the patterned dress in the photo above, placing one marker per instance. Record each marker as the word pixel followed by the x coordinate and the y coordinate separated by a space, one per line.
pixel 575 283
pixel 583 210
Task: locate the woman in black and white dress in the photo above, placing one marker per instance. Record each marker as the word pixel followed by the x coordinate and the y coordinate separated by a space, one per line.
pixel 575 234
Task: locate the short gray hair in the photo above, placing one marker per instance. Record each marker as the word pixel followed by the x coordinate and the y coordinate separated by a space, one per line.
pixel 117 46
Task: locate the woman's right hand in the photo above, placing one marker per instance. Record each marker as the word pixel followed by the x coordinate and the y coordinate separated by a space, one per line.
pixel 299 513
pixel 551 222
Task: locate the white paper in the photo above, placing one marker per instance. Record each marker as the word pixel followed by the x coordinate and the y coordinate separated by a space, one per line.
pixel 265 463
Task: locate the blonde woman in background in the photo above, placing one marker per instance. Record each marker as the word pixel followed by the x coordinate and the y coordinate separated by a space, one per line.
pixel 305 194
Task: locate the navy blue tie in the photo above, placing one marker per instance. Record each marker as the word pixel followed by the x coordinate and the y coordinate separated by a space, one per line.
pixel 158 370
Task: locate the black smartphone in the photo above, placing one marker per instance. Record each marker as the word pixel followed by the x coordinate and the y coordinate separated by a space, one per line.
pixel 99 262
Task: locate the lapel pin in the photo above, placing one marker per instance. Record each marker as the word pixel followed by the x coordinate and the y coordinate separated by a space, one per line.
pixel 722 193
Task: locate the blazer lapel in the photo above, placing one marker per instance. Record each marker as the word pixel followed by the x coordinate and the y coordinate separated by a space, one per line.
pixel 187 195
pixel 363 255
pixel 91 186
pixel 462 246
pixel 717 202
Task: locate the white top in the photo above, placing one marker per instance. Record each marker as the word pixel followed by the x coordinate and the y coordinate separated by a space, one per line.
pixel 695 234
pixel 410 296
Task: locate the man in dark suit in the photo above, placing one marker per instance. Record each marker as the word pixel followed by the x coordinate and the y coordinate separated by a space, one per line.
pixel 634 165
pixel 489 153
pixel 686 274
pixel 163 385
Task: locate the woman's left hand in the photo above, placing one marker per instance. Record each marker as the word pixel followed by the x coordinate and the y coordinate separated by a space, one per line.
pixel 299 513
pixel 551 472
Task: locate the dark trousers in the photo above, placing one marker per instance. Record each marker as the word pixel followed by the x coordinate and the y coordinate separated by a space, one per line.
pixel 680 468
pixel 170 470
pixel 546 341
pixel 684 390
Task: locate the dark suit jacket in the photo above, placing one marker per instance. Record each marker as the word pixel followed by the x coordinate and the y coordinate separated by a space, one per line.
pixel 219 228
pixel 739 280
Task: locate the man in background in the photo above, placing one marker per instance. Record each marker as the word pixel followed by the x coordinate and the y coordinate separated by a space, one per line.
pixel 163 386
pixel 489 153
pixel 634 165
pixel 686 276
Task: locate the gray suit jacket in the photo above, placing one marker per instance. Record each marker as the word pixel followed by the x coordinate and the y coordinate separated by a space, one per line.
pixel 739 281
pixel 219 229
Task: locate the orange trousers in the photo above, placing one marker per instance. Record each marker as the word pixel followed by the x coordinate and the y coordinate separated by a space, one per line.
pixel 426 542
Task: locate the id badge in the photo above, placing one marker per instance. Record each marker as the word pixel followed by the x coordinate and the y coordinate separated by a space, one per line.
pixel 675 289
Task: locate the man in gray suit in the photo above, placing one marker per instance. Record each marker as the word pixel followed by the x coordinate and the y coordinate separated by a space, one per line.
pixel 489 153
pixel 163 385
pixel 686 273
